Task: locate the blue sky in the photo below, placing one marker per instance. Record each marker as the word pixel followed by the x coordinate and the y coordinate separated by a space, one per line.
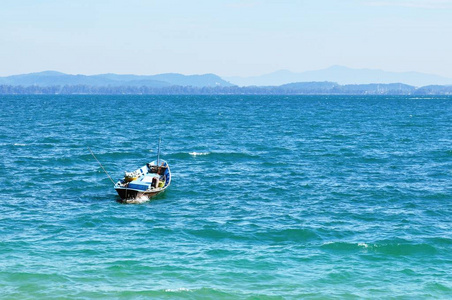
pixel 228 38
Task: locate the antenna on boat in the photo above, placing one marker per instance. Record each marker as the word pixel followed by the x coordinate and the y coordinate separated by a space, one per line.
pixel 100 164
pixel 158 155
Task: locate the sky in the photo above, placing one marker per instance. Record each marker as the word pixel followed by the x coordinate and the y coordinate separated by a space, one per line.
pixel 228 38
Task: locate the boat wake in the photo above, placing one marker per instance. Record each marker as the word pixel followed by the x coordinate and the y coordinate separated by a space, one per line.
pixel 138 200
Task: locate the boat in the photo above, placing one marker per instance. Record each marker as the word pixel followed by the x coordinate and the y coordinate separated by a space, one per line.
pixel 145 182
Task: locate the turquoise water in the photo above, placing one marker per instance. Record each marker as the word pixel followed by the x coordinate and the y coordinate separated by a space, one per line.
pixel 272 197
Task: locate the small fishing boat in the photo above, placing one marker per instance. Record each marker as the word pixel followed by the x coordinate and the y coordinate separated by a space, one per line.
pixel 145 182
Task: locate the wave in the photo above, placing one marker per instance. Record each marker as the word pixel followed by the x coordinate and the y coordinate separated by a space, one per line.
pixel 289 235
pixel 182 292
pixel 395 248
pixel 178 290
pixel 162 293
pixel 198 153
pixel 272 236
pixel 212 154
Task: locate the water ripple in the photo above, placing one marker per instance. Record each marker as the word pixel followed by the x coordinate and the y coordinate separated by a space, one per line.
pixel 271 198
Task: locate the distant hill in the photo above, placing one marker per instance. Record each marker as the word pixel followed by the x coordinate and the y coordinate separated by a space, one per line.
pixel 52 82
pixel 337 74
pixel 53 78
pixel 341 75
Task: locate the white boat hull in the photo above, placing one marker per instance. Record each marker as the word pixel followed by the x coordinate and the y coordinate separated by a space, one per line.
pixel 152 180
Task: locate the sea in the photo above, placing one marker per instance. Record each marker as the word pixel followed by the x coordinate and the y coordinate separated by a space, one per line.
pixel 272 197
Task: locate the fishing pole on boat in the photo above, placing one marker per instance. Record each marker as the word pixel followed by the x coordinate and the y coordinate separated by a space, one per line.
pixel 100 165
pixel 158 153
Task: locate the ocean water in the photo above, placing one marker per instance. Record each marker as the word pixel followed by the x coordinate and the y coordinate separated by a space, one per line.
pixel 272 197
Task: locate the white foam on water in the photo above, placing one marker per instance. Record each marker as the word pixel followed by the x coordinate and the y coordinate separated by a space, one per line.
pixel 199 153
pixel 363 245
pixel 20 145
pixel 138 200
pixel 178 290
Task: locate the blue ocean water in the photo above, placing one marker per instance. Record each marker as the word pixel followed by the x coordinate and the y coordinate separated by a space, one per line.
pixel 272 197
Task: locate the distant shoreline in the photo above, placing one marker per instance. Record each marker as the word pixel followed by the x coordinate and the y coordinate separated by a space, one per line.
pixel 301 88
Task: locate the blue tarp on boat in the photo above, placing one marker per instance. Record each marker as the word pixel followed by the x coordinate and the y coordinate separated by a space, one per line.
pixel 139 185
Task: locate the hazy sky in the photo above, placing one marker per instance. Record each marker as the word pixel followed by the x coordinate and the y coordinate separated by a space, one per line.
pixel 224 37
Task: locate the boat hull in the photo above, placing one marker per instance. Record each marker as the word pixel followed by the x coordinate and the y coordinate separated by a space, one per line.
pixel 126 194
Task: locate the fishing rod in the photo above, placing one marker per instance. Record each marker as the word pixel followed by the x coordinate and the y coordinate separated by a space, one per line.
pixel 158 155
pixel 100 165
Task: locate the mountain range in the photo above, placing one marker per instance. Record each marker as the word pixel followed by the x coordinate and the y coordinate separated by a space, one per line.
pixel 341 75
pixel 53 78
pixel 336 74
